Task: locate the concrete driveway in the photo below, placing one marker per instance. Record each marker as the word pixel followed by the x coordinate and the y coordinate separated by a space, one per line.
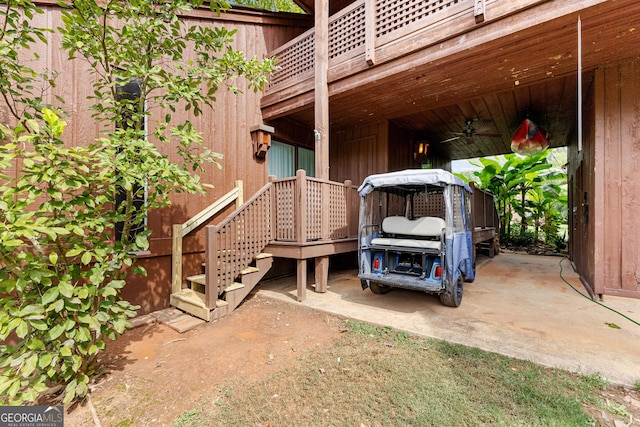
pixel 518 306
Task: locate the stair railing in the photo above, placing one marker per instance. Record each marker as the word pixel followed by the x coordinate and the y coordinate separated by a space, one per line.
pixel 180 231
pixel 234 243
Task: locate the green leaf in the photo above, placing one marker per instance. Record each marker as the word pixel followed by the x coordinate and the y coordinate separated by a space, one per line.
pixel 65 351
pixel 29 365
pixel 109 291
pixel 45 360
pixel 83 292
pixel 56 306
pixel 53 258
pixel 142 242
pixel 50 296
pixel 69 392
pixel 66 289
pixel 74 252
pixel 86 258
pixel 55 332
pixel 23 329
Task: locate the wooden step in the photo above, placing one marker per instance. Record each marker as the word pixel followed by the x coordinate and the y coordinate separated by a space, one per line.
pixel 249 270
pixel 197 282
pixel 193 302
pixel 198 278
pixel 234 287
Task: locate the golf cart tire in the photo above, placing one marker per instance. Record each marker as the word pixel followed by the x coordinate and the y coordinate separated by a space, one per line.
pixel 379 289
pixel 452 296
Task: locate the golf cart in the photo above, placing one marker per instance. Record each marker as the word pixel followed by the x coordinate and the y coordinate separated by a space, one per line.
pixel 415 232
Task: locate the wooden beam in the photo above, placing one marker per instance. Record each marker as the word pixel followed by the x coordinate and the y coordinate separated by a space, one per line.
pixel 322 274
pixel 321 130
pixel 211 259
pixel 301 281
pixel 479 11
pixel 300 210
pixel 370 31
pixel 176 259
pixel 240 188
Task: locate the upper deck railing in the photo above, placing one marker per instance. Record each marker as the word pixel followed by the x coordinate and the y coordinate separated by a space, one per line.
pixel 351 30
pixel 372 32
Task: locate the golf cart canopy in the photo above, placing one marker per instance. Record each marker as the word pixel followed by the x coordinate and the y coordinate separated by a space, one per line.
pixel 411 177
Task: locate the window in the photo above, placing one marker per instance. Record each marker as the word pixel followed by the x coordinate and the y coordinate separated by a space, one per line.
pixel 128 94
pixel 285 159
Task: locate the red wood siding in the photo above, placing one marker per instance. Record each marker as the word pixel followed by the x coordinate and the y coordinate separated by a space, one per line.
pixel 616 204
pixel 225 130
pixel 358 153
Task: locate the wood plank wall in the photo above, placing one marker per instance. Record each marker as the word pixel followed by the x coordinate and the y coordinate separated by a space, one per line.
pixel 378 148
pixel 609 177
pixel 619 147
pixel 359 152
pixel 225 129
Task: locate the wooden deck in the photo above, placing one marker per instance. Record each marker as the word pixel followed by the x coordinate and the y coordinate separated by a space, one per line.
pixel 366 35
pixel 299 218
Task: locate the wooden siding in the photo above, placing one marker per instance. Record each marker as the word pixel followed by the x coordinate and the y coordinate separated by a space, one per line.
pixel 359 152
pixel 605 190
pixel 225 129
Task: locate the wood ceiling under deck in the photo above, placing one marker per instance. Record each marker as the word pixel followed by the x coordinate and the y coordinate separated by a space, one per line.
pixel 496 84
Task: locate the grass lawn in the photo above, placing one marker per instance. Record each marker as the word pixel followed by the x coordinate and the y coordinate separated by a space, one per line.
pixel 376 376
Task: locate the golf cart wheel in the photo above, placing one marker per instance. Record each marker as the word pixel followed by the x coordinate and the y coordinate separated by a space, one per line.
pixel 379 289
pixel 452 296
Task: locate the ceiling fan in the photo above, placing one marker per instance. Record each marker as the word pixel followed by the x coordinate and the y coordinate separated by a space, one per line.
pixel 468 132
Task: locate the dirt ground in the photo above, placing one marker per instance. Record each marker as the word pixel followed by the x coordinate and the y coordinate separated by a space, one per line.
pixel 153 374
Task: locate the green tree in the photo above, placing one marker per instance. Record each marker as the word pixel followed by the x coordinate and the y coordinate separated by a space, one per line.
pixel 272 5
pixel 510 178
pixel 61 271
pixel 21 87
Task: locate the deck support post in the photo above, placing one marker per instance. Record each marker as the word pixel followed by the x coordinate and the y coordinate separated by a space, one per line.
pixel 322 273
pixel 321 106
pixel 301 280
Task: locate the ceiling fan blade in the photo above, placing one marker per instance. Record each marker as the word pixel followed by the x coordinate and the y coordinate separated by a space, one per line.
pixel 450 139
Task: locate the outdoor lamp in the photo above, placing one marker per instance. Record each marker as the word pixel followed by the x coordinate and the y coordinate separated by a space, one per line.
pixel 261 138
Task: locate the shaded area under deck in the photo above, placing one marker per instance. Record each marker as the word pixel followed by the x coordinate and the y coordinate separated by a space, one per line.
pixel 518 306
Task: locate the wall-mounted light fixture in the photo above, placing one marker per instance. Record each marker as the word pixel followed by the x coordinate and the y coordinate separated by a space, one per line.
pixel 420 149
pixel 261 138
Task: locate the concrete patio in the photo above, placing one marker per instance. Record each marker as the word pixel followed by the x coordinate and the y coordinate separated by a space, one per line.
pixel 518 306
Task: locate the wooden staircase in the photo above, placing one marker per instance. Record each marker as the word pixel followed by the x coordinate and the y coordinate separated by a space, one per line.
pixel 192 299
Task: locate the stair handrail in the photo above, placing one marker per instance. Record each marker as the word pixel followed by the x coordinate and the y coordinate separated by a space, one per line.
pixel 182 230
pixel 225 272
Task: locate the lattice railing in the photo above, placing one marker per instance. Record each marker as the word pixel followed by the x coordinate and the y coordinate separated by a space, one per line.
pixel 234 243
pixel 393 15
pixel 275 215
pixel 394 19
pixel 484 209
pixel 336 202
pixel 346 32
pixel 284 206
pixel 341 198
pixel 294 59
